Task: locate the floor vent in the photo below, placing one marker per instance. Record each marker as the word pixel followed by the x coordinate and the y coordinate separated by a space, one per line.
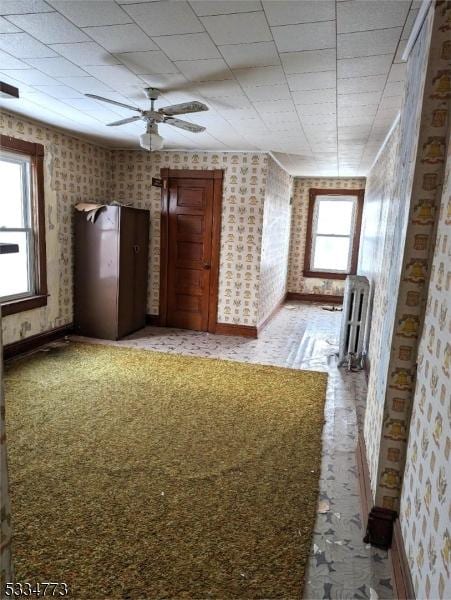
pixel 355 306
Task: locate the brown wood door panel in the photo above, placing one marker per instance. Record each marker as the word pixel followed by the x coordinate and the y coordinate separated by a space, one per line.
pixel 133 265
pixel 190 221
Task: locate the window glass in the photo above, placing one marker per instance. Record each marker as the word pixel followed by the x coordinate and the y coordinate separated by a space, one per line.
pixel 16 269
pixel 335 216
pixel 11 204
pixel 331 253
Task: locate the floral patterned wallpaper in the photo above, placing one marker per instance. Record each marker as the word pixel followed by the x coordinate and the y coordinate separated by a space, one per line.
pixel 244 187
pixel 380 212
pixel 426 500
pixel 386 427
pixel 275 239
pixel 74 170
pixel 296 282
pixel 424 195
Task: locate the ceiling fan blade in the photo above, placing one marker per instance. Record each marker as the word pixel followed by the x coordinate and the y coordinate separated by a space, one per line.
pixel 113 102
pixel 184 108
pixel 184 125
pixel 124 121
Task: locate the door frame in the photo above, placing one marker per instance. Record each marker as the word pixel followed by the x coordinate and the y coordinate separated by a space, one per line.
pixel 217 176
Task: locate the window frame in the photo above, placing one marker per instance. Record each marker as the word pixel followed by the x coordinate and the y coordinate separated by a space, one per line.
pixel 355 239
pixel 35 152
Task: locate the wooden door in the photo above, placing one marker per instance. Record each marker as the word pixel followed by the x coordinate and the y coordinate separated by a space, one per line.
pixel 190 233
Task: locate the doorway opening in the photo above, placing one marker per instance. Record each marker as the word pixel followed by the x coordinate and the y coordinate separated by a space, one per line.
pixel 189 252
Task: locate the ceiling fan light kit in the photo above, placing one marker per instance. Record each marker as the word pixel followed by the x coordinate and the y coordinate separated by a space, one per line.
pixel 151 140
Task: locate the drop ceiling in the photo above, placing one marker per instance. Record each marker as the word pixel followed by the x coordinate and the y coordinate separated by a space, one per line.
pixel 317 83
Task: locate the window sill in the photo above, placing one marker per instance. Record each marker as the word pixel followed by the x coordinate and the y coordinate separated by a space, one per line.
pixel 325 275
pixel 15 306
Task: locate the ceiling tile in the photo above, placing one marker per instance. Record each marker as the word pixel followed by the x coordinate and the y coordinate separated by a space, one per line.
pixel 209 69
pixel 85 53
pixel 309 61
pixel 368 43
pixel 353 131
pixel 165 18
pixel 121 38
pixel 31 77
pixel 386 115
pixel 22 45
pixel 366 65
pixel 312 81
pixel 313 119
pixel 371 83
pixel 60 92
pixel 252 125
pixel 258 54
pixel 396 88
pixel 18 7
pixel 356 110
pixel 361 99
pixel 390 102
pixel 219 89
pixel 58 107
pixel 275 106
pixel 234 113
pixel 193 46
pixel 310 36
pixel 7 27
pixel 286 126
pixel 164 80
pixel 91 12
pixel 289 118
pixel 234 28
pixel 154 61
pixel 114 76
pixel 328 130
pixel 49 28
pixel 324 108
pixel 85 85
pixel 260 76
pixel 287 12
pixel 268 92
pixel 355 120
pixel 9 62
pixel 314 96
pixel 56 67
pixel 362 16
pixel 397 72
pixel 204 8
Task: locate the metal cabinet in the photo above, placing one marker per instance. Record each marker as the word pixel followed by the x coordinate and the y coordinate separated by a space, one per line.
pixel 111 264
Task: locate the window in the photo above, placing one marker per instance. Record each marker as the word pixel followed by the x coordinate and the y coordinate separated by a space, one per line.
pixel 333 232
pixel 22 273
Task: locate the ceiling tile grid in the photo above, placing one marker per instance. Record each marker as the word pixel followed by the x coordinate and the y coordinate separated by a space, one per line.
pixel 318 83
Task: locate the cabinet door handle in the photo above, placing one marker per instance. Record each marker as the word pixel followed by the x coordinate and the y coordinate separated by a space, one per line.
pixel 206 266
pixel 136 248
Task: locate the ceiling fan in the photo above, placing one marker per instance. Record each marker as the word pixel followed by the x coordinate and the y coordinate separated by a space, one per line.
pixel 151 140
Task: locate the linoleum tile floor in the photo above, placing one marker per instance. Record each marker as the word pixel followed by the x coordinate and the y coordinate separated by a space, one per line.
pixel 305 336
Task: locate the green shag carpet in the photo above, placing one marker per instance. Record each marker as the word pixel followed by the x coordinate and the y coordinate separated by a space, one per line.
pixel 143 475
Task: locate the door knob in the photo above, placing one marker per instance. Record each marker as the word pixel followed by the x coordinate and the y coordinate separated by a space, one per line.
pixel 206 266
